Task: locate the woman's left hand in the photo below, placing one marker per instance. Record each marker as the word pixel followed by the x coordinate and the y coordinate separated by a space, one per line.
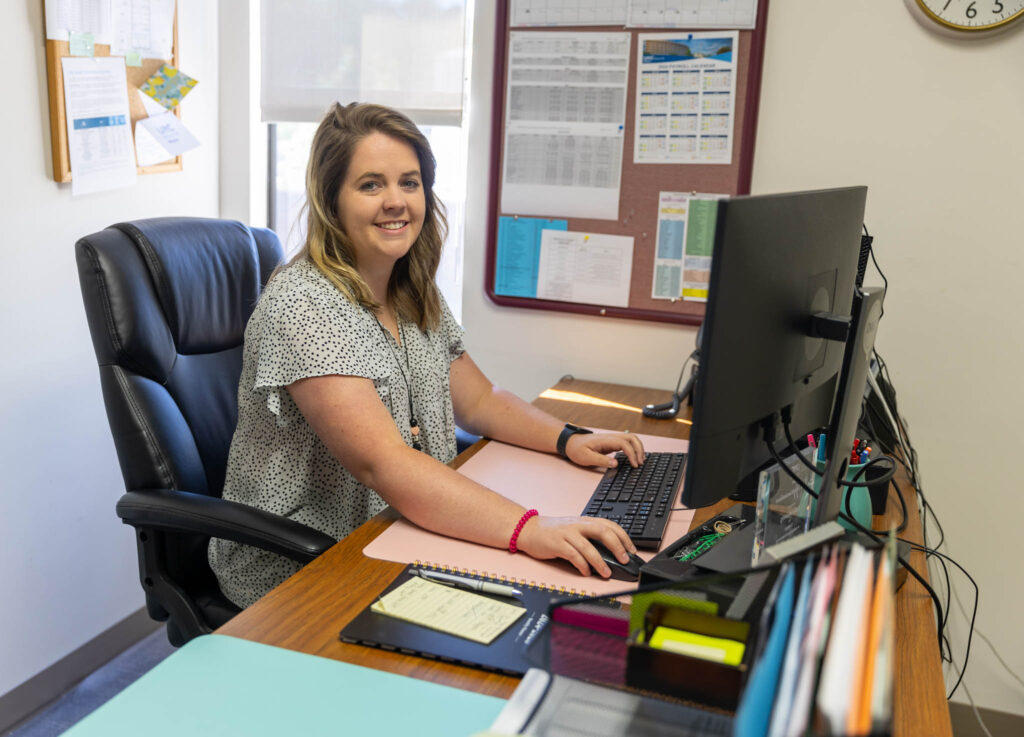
pixel 592 449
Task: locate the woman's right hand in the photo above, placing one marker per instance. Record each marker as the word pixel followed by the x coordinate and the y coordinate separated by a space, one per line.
pixel 569 538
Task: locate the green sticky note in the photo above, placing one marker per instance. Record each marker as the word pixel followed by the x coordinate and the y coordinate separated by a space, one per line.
pixel 678 599
pixel 133 59
pixel 82 44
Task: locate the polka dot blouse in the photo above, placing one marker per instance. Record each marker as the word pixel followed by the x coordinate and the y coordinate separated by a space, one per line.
pixel 302 327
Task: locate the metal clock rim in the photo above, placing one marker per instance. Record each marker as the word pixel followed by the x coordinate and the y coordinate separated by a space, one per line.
pixel 967 29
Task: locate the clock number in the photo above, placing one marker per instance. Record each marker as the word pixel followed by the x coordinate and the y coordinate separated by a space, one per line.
pixel 975 18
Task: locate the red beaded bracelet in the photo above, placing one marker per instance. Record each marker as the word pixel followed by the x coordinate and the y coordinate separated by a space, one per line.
pixel 519 528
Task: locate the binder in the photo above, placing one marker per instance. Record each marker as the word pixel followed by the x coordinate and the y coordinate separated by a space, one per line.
pixel 507 654
pixel 221 685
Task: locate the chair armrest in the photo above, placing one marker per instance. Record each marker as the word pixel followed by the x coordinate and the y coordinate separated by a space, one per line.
pixel 184 511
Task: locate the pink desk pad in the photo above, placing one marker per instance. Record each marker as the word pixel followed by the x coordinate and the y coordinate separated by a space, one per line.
pixel 537 481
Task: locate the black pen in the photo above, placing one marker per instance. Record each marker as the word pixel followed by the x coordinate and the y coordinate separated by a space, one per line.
pixel 485 587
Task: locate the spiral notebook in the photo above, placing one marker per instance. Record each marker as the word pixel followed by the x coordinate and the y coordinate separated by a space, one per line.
pixel 509 653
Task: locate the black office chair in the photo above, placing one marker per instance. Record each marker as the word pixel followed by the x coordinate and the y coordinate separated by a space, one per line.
pixel 167 301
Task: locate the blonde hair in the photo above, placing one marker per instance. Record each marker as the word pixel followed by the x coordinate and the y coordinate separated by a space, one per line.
pixel 411 289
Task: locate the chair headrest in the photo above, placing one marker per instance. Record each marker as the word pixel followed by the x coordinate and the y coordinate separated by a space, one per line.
pixel 172 286
pixel 206 274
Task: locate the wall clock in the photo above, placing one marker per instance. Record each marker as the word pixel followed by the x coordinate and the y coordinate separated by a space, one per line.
pixel 968 18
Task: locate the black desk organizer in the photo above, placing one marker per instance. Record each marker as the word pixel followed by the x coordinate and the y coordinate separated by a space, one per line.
pixel 590 642
pixel 734 556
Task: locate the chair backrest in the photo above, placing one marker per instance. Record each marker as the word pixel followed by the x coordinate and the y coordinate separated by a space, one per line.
pixel 167 301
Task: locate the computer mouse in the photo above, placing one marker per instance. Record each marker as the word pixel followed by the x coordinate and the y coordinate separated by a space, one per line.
pixel 620 571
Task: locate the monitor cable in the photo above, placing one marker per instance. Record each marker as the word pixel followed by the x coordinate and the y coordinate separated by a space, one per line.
pixel 888 477
pixel 906 455
pixel 869 240
pixel 974 612
pixel 940 617
pixel 869 431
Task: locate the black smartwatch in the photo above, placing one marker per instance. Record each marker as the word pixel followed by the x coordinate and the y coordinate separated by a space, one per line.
pixel 567 432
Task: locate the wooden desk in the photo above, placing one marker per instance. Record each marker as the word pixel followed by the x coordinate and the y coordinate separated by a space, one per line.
pixel 307 611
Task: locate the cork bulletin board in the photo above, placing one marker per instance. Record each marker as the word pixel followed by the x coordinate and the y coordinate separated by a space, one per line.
pixel 640 183
pixel 134 78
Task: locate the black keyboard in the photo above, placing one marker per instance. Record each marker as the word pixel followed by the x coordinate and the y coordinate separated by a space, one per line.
pixel 640 499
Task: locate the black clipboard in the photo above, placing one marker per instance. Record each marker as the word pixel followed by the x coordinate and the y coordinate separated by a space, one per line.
pixel 508 653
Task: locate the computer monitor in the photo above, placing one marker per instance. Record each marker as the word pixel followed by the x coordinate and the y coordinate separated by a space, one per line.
pixel 783 273
pixel 853 378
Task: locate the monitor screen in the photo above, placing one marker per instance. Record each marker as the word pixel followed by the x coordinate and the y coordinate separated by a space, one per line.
pixel 777 261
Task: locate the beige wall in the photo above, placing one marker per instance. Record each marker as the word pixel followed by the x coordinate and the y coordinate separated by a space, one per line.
pixel 932 126
pixel 68 567
pixel 864 95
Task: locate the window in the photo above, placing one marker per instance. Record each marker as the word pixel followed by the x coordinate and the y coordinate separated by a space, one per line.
pixel 409 54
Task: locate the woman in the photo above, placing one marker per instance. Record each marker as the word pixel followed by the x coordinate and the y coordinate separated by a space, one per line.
pixel 354 374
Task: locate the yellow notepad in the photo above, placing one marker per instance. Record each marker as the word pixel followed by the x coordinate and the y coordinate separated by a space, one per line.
pixel 717 649
pixel 450 610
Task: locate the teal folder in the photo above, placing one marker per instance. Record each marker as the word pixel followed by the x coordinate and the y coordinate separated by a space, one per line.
pixel 219 685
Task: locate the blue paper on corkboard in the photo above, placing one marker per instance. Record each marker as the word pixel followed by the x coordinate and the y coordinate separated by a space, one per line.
pixel 168 86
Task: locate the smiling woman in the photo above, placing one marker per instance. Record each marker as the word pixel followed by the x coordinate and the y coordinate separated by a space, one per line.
pixel 353 364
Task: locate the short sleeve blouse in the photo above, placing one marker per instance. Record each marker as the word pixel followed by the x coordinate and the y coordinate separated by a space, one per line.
pixel 303 326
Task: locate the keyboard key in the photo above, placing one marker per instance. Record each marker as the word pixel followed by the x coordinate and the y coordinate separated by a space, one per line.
pixel 639 498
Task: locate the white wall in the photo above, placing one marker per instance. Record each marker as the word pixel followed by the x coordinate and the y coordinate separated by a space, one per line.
pixel 68 566
pixel 863 95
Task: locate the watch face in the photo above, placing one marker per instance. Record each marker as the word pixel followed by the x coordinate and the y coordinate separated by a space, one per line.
pixel 972 15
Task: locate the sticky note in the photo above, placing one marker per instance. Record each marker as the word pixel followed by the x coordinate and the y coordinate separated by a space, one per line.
pixel 717 649
pixel 81 44
pixel 133 59
pixel 168 86
pixel 460 613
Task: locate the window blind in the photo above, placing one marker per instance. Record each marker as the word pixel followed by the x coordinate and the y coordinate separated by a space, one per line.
pixel 407 54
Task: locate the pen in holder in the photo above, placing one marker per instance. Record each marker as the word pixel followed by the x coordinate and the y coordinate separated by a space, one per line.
pixel 856 499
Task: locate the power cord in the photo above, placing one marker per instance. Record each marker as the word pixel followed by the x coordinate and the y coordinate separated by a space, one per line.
pixel 995 652
pixel 871 252
pixel 974 611
pixel 769 441
pixel 887 478
pixel 907 457
pixel 974 707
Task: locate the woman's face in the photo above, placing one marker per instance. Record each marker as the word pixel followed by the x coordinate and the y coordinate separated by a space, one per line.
pixel 381 204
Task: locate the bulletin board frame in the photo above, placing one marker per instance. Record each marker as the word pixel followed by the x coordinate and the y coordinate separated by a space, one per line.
pixel 640 183
pixel 135 77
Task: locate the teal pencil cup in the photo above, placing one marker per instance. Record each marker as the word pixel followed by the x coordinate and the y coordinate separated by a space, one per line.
pixel 856 502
